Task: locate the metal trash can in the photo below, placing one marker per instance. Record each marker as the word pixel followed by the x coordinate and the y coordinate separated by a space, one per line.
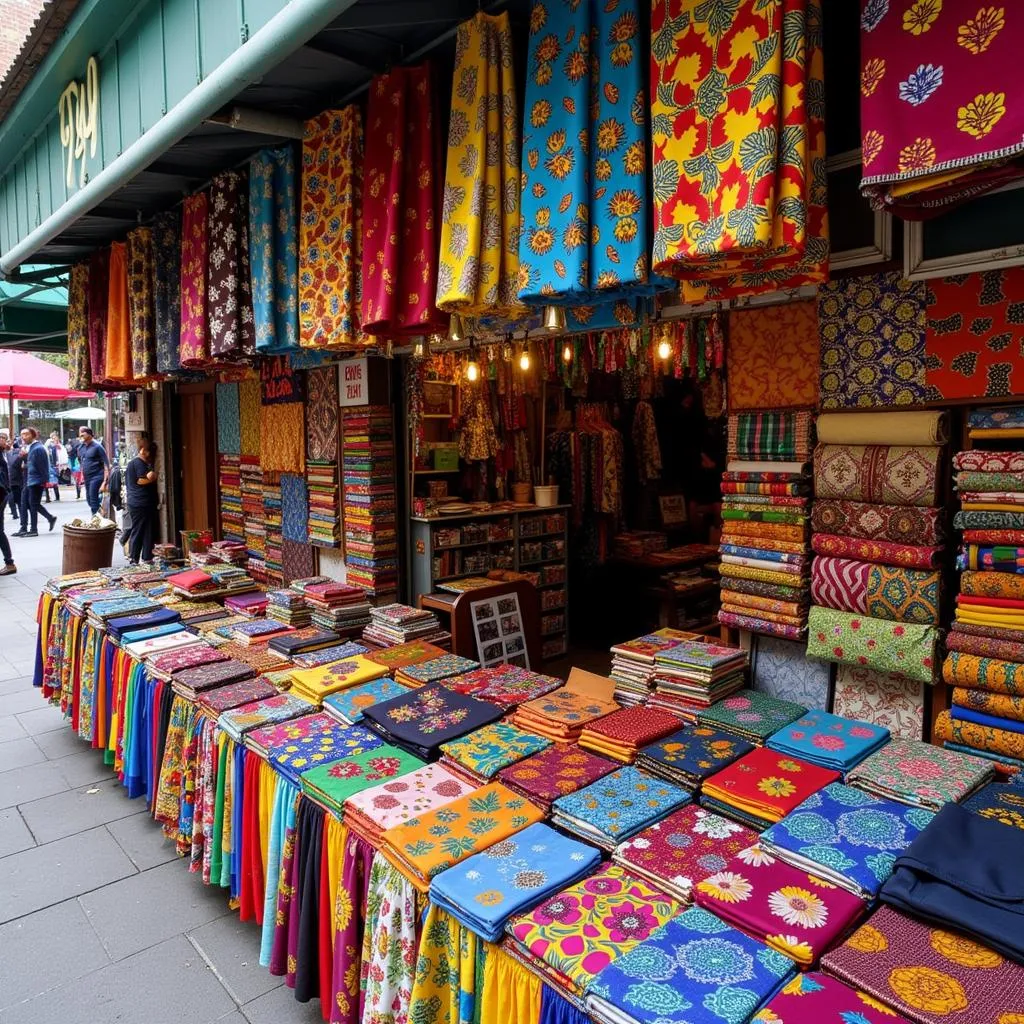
pixel 87 549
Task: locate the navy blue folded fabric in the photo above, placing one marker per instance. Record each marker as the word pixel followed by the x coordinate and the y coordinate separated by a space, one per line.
pixel 125 623
pixel 998 802
pixel 963 872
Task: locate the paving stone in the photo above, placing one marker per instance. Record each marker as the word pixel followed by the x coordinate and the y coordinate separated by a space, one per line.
pixel 279 1006
pixel 12 681
pixel 50 874
pixel 42 719
pixel 47 949
pixel 22 700
pixel 232 948
pixel 64 814
pixel 20 785
pixel 19 753
pixel 147 908
pixel 143 840
pixel 167 984
pixel 14 833
pixel 84 768
pixel 11 729
pixel 62 742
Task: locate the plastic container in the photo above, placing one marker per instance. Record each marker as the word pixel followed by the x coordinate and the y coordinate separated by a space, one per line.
pixel 546 495
pixel 86 550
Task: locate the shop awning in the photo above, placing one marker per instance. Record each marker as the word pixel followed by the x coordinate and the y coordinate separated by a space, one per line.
pixel 33 315
pixel 26 378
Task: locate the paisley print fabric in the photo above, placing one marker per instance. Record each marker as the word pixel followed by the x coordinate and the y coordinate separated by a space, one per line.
pixel 888 475
pixel 879 697
pixel 229 294
pixel 330 254
pixel 79 376
pixel 780 669
pixel 194 345
pixel 899 524
pixel 141 312
pixel 872 343
pixel 322 417
pixel 167 290
pixel 479 270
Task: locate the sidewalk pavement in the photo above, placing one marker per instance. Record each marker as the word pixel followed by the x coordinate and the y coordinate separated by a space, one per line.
pixel 99 919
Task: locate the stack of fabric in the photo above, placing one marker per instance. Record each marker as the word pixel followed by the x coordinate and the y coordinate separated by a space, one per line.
pixel 479 756
pixel 633 663
pixel 288 607
pixel 691 754
pixel 393 624
pixel 561 769
pixel 233 695
pixel 281 707
pixel 273 519
pixel 504 685
pixel 690 676
pixel 751 715
pixel 257 631
pixel 325 655
pixel 765 561
pixel 252 508
pixel 348 706
pixel 562 714
pixel 305 641
pixel 395 658
pixel 324 504
pixel 192 583
pixel 434 670
pixel 368 477
pixel 229 483
pixel 252 605
pixel 621 734
pixel 190 682
pixel 321 741
pixel 314 684
pixel 231 552
pixel 330 785
pixel 828 740
pixel 878 540
pixel 762 787
pixel 338 607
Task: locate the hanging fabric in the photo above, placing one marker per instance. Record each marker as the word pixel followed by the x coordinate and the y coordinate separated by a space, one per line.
pixel 229 287
pixel 167 290
pixel 399 205
pixel 118 343
pixel 140 303
pixel 99 296
pixel 194 345
pixel 79 378
pixel 479 267
pixel 273 249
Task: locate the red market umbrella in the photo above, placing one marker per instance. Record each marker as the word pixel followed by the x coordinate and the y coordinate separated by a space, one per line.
pixel 27 378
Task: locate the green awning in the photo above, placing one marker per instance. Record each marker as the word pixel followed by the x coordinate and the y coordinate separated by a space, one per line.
pixel 34 317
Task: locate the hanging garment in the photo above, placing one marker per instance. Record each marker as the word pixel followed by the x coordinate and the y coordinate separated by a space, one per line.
pixel 118 341
pixel 79 377
pixel 229 295
pixel 141 311
pixel 194 348
pixel 167 290
pixel 99 297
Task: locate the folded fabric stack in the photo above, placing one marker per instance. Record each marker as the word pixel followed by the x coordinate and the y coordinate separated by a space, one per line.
pixel 422 720
pixel 920 774
pixel 434 670
pixel 690 676
pixel 273 519
pixel 279 708
pixel 561 769
pixel 765 560
pixel 847 837
pixel 233 695
pixel 322 741
pixel 369 504
pixel 562 714
pixel 122 624
pixel 275 733
pixel 489 888
pixel 633 663
pixel 163 666
pixel 691 754
pixel 252 605
pixel 190 682
pixel 479 756
pixel 878 540
pixel 192 583
pixel 330 785
pixel 393 624
pixel 230 551
pixel 252 509
pixel 348 706
pixel 314 684
pixel 324 504
pixel 229 484
pixel 751 715
pixel 337 606
pixel 288 607
pixel 828 740
pixel 505 685
pixel 258 631
pixel 762 787
pixel 621 734
pixel 306 640
pixel 335 651
pixel 395 658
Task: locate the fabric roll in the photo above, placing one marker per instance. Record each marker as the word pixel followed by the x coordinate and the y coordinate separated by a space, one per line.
pixel 989 521
pixel 99 297
pixel 900 524
pixel 79 376
pixel 753 544
pixel 911 428
pixel 118 355
pixel 765 514
pixel 1005 742
pixel 480 213
pixel 141 312
pixel 975 481
pixel 273 249
pixel 760 436
pixel 781 525
pixel 978 673
pixel 771 591
pixel 901 595
pixel 1015 537
pixel 331 239
pixel 737 602
pixel 773 489
pixel 764 466
pixel 840 583
pixel 167 290
pixel 757 624
pixel 984 646
pixel 996 434
pixel 229 284
pixel 797 620
pixel 986 719
pixel 977 460
pixel 1004 559
pixel 885 552
pixel 992 584
pixel 194 344
pixel 883 474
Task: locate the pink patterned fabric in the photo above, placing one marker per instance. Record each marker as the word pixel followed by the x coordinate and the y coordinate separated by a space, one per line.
pixel 840 583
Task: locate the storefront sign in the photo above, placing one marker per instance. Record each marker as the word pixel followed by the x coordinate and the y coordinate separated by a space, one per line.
pixel 354 382
pixel 78 113
pixel 279 382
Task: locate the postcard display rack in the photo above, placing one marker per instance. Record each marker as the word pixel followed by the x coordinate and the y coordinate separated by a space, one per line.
pixel 449 548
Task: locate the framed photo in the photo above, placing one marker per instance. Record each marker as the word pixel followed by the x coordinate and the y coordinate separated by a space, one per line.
pixel 498 624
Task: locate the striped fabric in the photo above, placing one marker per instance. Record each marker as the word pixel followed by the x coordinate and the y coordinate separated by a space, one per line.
pixel 773 436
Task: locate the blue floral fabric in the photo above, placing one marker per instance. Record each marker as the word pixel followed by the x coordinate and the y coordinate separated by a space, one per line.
pixel 847 836
pixel 781 668
pixel 349 704
pixel 489 749
pixel 274 249
pixel 694 752
pixel 229 420
pixel 829 740
pixel 694 970
pixel 294 508
pixel 324 746
pixel 486 890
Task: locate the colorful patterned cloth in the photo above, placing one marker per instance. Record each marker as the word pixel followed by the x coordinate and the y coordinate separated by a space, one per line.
pixel 555 772
pixel 506 685
pixel 980 461
pixel 620 734
pixel 874 643
pixel 449 971
pixel 829 740
pixel 229 424
pixel 439 668
pixel 883 592
pixel 926 973
pixel 562 714
pixel 280 708
pixel 695 970
pixel 919 774
pixel 487 889
pixel 813 997
pixel 582 929
pixel 224 698
pixel 991 739
pixel 751 715
pixel 885 552
pixel 879 697
pixel 691 754
pixel 229 288
pixel 893 475
pixel 872 345
pixel 780 669
pixel 990 674
pixel 142 326
pixel 847 837
pixel 194 346
pixel 322 419
pixel 332 784
pixel 984 646
pixel 350 704
pixel 294 508
pixel 998 705
pixel 489 749
pixel 773 436
pixel 762 622
pixel 996 417
pixel 79 373
pixel 677 852
pixel 900 524
pixel 166 291
pixel 988 521
pixel 998 802
pixel 321 745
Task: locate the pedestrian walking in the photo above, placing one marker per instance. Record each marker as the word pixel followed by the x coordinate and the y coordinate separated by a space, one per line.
pixel 95 467
pixel 37 473
pixel 5 545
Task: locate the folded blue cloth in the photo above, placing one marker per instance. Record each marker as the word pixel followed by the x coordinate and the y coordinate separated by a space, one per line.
pixel 963 872
pixel 489 888
pixel 1011 762
pixel 157 617
pixel 149 633
pixel 696 969
pixel 829 740
pixel 847 836
pixel 998 802
pixel 989 721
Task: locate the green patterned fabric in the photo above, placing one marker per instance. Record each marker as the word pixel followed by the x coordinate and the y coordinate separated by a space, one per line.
pixel 797 518
pixel 989 521
pixel 971 481
pixel 751 715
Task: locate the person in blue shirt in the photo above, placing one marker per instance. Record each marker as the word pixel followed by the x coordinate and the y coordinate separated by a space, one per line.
pixel 141 501
pixel 92 457
pixel 37 474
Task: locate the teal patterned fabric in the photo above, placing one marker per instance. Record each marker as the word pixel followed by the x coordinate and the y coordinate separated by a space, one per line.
pixel 493 747
pixel 752 715
pixel 229 420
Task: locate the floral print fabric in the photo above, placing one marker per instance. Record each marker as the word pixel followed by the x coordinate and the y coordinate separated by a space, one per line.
pixel 507 685
pixel 829 740
pixel 493 747
pixel 692 754
pixel 229 286
pixel 780 670
pixel 332 784
pixel 752 715
pixel 167 252
pixel 449 971
pixel 79 376
pixel 194 345
pixel 901 524
pixel 141 313
pixel 817 997
pixel 555 772
pixel 880 697
pixel 99 287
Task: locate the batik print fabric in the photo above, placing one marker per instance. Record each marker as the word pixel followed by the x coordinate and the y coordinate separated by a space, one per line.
pixel 229 287
pixel 937 113
pixel 695 970
pixel 322 418
pixel 846 836
pixel 330 254
pixel 294 508
pixel 978 737
pixel 479 269
pixel 193 342
pixel 579 931
pixel 811 996
pixel 828 740
pixel 883 474
pixel 332 784
pixel 399 216
pixel 691 754
pixel 899 524
pixel 493 747
pixel 998 802
pixel 928 974
pixel 773 357
pixel 273 249
pixel 79 376
pixel 229 424
pixel 873 349
pixel 584 239
pixel 555 772
pixel 141 313
pixel 779 669
pixel 796 913
pixel 167 290
pixel 447 986
pixel 880 591
pixel 977 460
pixel 487 889
pixel 752 715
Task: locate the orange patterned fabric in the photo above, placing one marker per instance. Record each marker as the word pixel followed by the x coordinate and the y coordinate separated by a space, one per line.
pixel 283 438
pixel 772 358
pixel 119 349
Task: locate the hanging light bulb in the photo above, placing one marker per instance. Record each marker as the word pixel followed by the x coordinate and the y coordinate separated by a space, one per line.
pixel 456 330
pixel 472 367
pixel 664 349
pixel 524 359
pixel 419 348
pixel 567 353
pixel 554 319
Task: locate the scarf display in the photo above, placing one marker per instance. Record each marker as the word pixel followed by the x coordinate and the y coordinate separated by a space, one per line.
pixel 79 374
pixel 99 296
pixel 273 249
pixel 118 344
pixel 167 251
pixel 194 344
pixel 479 269
pixel 229 284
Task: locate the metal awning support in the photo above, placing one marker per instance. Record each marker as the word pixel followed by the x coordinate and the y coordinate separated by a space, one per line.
pixel 287 30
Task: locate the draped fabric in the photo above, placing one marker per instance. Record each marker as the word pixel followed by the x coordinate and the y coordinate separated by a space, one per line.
pixel 194 345
pixel 167 290
pixel 273 249
pixel 229 297
pixel 118 353
pixel 400 192
pixel 479 270
pixel 349 921
pixel 141 309
pixel 249 415
pixel 510 991
pixel 322 415
pixel 229 431
pixel 331 236
pixel 448 971
pixel 79 376
pixel 584 235
pixel 99 297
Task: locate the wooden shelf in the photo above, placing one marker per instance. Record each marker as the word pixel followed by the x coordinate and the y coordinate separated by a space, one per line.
pixel 434 472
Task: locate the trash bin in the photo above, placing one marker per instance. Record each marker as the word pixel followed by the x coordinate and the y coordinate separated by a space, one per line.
pixel 87 549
